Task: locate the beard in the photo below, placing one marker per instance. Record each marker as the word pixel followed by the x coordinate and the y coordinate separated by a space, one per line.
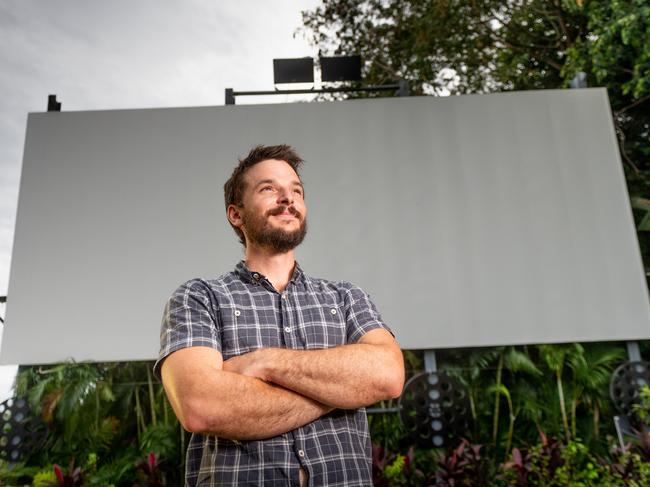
pixel 260 232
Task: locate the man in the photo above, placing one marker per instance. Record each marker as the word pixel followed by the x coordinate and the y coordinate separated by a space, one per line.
pixel 267 367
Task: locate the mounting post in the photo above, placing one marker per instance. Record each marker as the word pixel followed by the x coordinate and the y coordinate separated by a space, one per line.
pixel 403 89
pixel 230 96
pixel 430 364
pixel 633 351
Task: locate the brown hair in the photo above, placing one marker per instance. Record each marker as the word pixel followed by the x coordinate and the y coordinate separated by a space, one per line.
pixel 233 190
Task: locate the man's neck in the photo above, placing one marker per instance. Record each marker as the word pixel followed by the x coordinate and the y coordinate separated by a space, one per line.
pixel 278 268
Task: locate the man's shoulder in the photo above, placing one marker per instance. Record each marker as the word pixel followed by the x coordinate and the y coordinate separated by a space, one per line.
pixel 214 285
pixel 321 284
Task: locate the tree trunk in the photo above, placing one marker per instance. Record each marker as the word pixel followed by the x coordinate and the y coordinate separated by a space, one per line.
pixel 574 407
pixel 152 398
pixel 560 391
pixel 497 394
pixel 138 413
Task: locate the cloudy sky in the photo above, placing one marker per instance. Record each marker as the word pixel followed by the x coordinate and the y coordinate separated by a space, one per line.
pixel 98 55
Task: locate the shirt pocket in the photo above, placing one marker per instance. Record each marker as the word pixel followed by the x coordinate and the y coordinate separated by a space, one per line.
pixel 324 326
pixel 243 330
pixel 219 458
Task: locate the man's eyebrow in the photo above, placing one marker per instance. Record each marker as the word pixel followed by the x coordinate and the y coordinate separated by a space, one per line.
pixel 272 181
pixel 264 181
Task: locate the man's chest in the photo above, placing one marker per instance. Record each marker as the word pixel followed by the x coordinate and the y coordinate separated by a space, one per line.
pixel 258 318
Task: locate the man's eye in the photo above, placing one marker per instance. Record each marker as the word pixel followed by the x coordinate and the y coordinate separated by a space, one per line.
pixel 298 191
pixel 267 188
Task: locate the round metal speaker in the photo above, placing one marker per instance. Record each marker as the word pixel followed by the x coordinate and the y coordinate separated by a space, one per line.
pixel 626 381
pixel 18 435
pixel 434 408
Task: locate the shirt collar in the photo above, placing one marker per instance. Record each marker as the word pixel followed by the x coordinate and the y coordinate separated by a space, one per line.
pixel 255 277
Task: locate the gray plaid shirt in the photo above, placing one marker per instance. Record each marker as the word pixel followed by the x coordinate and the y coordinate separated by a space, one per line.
pixel 240 312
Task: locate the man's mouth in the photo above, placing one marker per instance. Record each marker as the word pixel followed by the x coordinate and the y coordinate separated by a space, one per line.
pixel 287 211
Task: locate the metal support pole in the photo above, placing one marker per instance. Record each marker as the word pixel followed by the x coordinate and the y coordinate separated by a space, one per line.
pixel 633 352
pixel 619 432
pixel 430 364
pixel 579 80
pixel 403 89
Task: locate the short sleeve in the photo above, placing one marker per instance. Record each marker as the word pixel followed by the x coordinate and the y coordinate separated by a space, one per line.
pixel 361 315
pixel 190 319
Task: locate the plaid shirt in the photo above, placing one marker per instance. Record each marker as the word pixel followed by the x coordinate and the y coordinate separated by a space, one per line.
pixel 240 312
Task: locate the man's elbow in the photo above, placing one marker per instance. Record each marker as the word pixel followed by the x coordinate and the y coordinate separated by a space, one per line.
pixel 193 418
pixel 393 377
pixel 193 423
pixel 394 383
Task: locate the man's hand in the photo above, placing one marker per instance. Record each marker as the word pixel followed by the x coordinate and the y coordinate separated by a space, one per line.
pixel 252 364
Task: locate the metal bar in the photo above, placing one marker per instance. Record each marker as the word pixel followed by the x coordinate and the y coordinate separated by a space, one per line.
pixel 633 351
pixel 430 364
pixel 382 410
pixel 403 89
pixel 322 90
pixel 619 432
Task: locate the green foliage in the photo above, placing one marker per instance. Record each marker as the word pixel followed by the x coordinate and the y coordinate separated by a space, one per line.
pixel 617 50
pixel 642 409
pixel 547 463
pixel 16 474
pixel 88 415
pixel 525 382
pixel 528 388
pixel 45 478
pixel 394 472
pixel 552 464
pixel 387 431
pixel 163 439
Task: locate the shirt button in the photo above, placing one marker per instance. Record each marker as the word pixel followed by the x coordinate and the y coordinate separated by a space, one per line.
pixel 287 329
pixel 237 312
pixel 333 311
pixel 284 296
pixel 301 453
pixel 256 275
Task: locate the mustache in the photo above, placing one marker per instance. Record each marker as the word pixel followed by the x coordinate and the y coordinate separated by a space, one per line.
pixel 282 209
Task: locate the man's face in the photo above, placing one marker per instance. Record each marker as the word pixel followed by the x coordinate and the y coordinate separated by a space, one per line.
pixel 273 214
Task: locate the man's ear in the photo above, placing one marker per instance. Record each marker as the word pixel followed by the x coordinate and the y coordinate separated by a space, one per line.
pixel 234 216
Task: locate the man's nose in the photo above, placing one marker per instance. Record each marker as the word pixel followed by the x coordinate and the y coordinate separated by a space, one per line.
pixel 285 196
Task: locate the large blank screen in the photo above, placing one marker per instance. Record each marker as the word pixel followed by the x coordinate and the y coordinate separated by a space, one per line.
pixel 471 221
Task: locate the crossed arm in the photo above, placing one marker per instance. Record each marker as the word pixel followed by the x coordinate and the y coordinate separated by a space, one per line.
pixel 271 391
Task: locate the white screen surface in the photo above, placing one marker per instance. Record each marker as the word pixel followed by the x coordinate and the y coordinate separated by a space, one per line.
pixel 471 221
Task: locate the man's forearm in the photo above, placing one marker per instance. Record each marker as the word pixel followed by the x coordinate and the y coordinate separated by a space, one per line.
pixel 253 409
pixel 348 376
pixel 210 400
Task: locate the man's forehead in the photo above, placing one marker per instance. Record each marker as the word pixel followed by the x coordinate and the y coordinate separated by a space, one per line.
pixel 270 169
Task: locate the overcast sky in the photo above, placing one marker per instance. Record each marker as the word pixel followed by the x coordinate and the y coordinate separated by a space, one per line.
pixel 97 55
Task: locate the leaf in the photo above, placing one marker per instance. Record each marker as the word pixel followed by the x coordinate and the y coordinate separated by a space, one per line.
pixel 517 361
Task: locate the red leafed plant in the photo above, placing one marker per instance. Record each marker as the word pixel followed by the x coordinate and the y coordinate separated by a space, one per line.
pixel 149 473
pixel 462 467
pixel 72 478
